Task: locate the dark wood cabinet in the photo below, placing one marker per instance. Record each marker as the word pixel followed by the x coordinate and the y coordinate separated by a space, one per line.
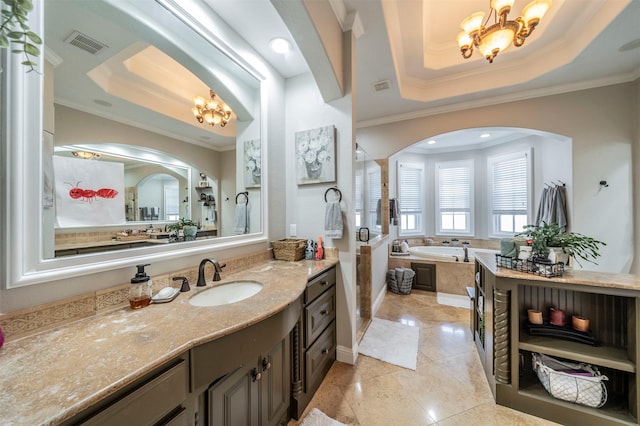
pixel 506 346
pixel 255 394
pixel 313 340
pixel 425 278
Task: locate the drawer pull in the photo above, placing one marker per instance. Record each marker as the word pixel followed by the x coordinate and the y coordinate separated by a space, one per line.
pixel 325 351
pixel 324 312
pixel 323 283
pixel 265 364
pixel 256 375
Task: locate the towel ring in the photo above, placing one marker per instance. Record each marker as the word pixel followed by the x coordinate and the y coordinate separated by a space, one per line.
pixel 246 196
pixel 334 189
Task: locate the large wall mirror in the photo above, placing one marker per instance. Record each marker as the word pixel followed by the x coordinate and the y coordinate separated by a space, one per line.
pixel 107 151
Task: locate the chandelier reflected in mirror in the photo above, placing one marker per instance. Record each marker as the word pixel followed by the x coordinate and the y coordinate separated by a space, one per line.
pixel 491 39
pixel 211 111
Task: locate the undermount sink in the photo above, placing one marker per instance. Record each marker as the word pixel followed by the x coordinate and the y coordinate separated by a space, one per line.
pixel 224 294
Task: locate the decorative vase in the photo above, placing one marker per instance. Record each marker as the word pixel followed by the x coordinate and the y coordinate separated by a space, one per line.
pixel 255 175
pixel 189 232
pixel 557 317
pixel 314 169
pixel 556 255
pixel 535 316
pixel 580 324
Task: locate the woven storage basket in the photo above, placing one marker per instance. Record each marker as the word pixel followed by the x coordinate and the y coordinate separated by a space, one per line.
pixel 580 383
pixel 289 249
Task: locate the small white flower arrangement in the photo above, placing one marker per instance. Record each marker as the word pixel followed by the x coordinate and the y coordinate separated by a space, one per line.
pixel 317 148
pixel 315 155
pixel 252 159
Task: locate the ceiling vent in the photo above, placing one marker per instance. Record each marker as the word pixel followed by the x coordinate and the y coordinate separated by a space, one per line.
pixel 85 43
pixel 381 85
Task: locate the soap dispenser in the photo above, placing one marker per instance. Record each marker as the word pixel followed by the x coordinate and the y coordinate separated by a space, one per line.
pixel 140 289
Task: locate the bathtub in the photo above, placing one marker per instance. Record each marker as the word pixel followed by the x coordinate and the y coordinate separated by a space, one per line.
pixel 447 253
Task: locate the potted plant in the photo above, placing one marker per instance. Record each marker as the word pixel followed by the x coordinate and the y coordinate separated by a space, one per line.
pixel 14 28
pixel 189 227
pixel 551 236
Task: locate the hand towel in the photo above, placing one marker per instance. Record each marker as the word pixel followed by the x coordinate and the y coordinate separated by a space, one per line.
pixel 394 211
pixel 333 220
pixel 241 225
pixel 508 247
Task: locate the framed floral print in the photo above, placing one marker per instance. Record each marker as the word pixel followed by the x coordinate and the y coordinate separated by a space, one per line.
pixel 252 163
pixel 316 155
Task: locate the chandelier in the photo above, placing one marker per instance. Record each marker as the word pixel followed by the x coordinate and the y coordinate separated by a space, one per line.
pixel 495 38
pixel 211 111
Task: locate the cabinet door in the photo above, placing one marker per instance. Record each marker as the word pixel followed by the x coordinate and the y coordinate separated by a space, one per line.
pixel 233 400
pixel 276 383
pixel 255 394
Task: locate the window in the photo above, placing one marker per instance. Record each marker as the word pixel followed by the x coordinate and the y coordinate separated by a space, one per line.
pixel 171 202
pixel 410 197
pixel 509 181
pixel 358 198
pixel 454 197
pixel 375 194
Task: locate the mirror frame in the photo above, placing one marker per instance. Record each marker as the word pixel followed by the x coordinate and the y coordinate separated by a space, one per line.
pixel 21 154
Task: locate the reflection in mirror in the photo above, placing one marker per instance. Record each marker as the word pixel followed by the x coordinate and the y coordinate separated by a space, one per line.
pixel 123 72
pixel 368 195
pixel 124 90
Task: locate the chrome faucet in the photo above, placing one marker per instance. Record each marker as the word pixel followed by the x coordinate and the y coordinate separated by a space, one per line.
pixel 465 247
pixel 217 268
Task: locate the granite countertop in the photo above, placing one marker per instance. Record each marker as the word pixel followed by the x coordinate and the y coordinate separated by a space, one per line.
pixel 572 276
pixel 51 376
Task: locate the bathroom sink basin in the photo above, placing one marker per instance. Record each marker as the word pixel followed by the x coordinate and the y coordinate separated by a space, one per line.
pixel 224 294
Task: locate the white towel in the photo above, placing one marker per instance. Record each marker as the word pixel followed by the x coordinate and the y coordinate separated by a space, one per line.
pixel 241 225
pixel 333 220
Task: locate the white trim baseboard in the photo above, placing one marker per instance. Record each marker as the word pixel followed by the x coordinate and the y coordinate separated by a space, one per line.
pixel 347 355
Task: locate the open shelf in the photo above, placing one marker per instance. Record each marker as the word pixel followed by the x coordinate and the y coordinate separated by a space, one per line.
pixel 604 356
pixel 615 409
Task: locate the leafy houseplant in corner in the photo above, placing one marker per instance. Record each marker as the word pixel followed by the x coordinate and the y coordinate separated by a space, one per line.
pixel 551 236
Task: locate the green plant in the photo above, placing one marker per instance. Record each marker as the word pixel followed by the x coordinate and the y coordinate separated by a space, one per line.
pixel 553 235
pixel 14 28
pixel 181 224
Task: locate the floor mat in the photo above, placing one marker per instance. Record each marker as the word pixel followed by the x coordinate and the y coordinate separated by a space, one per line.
pixel 316 417
pixel 383 338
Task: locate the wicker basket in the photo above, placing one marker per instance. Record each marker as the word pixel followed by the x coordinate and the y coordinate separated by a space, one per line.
pixel 574 382
pixel 289 249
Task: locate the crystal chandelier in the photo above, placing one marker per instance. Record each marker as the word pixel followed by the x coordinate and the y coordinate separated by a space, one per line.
pixel 211 111
pixel 495 38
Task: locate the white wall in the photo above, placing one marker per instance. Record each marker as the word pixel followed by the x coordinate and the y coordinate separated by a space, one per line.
pixel 305 205
pixel 600 123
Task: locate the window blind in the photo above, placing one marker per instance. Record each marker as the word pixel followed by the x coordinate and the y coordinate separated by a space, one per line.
pixel 410 187
pixel 375 190
pixel 509 193
pixel 454 189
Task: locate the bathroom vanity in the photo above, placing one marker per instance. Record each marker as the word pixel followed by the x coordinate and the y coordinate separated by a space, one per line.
pixel 610 301
pixel 174 363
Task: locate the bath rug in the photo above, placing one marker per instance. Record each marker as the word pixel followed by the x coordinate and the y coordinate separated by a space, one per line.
pixel 391 342
pixel 316 417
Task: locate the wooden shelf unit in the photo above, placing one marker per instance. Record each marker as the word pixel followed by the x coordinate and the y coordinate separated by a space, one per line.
pixel 613 314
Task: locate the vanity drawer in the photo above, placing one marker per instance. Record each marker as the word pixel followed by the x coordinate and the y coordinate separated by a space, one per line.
pixel 318 315
pixel 319 358
pixel 319 284
pixel 150 402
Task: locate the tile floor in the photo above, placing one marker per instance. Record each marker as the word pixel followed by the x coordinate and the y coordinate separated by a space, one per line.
pixel 447 388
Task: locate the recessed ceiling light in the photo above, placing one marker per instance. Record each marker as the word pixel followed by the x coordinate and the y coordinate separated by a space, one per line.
pixel 485 135
pixel 280 45
pixel 431 142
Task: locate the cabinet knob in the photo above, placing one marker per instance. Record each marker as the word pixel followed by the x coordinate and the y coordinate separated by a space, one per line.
pixel 324 312
pixel 265 364
pixel 325 351
pixel 256 375
pixel 323 283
